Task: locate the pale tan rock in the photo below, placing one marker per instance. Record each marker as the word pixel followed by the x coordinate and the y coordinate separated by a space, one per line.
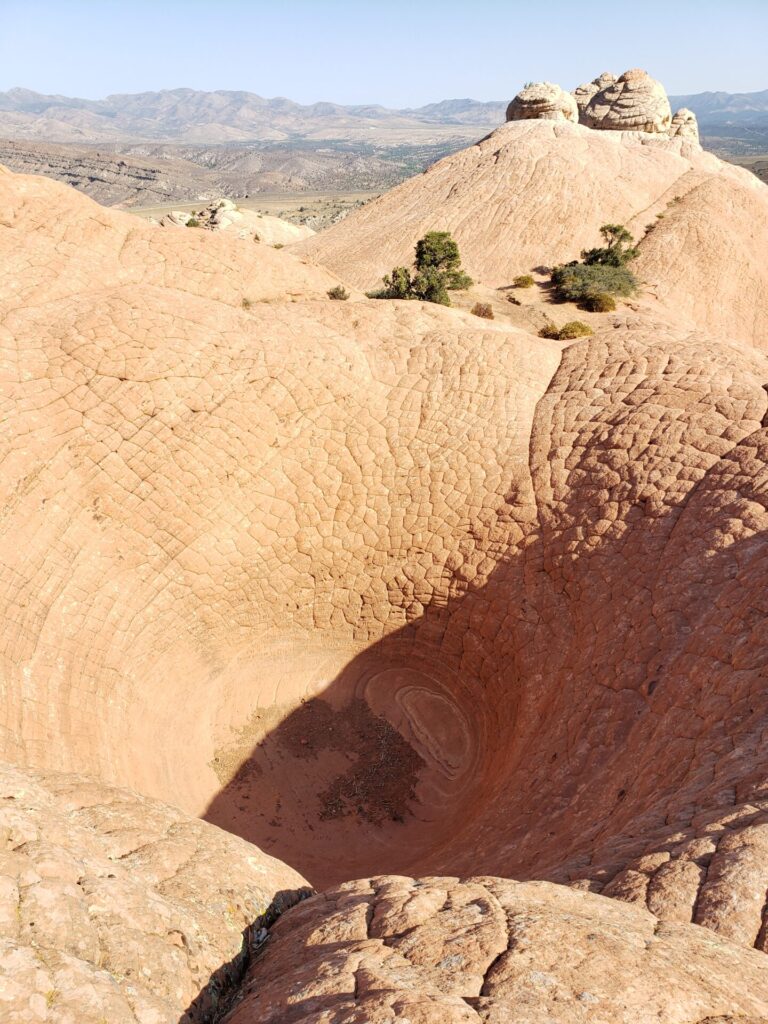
pixel 225 215
pixel 494 951
pixel 543 101
pixel 120 908
pixel 584 93
pixel 684 124
pixel 535 194
pixel 634 102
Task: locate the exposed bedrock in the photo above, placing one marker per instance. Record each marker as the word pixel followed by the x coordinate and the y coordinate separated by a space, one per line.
pixel 377 586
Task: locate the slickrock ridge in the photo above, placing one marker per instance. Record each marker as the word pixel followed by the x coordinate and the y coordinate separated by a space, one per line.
pixel 543 100
pixel 535 193
pixel 224 215
pixel 634 102
pixel 445 951
pixel 118 908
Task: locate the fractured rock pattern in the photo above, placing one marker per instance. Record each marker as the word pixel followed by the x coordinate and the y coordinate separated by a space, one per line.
pixel 382 588
pixel 443 951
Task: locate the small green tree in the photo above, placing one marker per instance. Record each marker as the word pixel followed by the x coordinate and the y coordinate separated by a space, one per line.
pixel 618 250
pixel 438 271
pixel 438 251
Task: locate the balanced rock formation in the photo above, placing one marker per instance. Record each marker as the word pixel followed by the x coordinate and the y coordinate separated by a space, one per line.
pixel 487 950
pixel 117 908
pixel 543 100
pixel 584 93
pixel 635 102
pixel 224 215
pixel 684 123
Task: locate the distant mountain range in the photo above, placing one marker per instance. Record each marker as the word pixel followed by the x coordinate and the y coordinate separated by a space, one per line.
pixel 186 115
pixel 191 116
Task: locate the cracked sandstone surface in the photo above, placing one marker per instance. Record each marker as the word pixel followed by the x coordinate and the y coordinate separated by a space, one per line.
pixel 380 588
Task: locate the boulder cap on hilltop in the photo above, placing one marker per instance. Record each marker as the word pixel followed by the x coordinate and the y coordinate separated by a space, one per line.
pixel 545 101
pixel 583 93
pixel 634 102
pixel 684 124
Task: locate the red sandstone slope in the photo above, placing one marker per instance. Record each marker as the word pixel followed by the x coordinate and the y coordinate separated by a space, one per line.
pixel 383 588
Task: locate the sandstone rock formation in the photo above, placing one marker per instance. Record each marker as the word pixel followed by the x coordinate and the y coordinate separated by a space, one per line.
pixel 535 193
pixel 584 93
pixel 444 951
pixel 384 588
pixel 543 100
pixel 224 215
pixel 634 102
pixel 117 908
pixel 684 123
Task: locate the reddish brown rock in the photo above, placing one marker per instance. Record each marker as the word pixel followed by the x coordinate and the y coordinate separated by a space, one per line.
pixel 444 951
pixel 117 908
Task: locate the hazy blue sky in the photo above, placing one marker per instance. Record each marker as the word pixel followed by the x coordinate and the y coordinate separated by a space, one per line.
pixel 391 52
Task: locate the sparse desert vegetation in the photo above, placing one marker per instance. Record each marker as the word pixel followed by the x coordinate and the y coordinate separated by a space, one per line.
pixel 603 272
pixel 438 271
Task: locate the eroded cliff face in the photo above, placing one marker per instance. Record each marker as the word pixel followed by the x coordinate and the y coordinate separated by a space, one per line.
pixel 383 588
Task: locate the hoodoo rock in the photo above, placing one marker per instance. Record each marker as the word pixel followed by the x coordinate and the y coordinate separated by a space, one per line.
pixel 584 93
pixel 634 102
pixel 545 101
pixel 684 124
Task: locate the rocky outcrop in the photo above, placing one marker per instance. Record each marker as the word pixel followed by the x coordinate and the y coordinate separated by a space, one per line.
pixel 635 102
pixel 584 93
pixel 118 908
pixel 535 193
pixel 486 950
pixel 224 215
pixel 684 124
pixel 543 100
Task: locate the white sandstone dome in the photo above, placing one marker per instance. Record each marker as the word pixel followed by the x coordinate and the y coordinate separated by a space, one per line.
pixel 634 103
pixel 543 100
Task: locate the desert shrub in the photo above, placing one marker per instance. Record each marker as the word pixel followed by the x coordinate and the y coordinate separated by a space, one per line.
pixel 619 248
pixel 573 329
pixel 523 281
pixel 483 309
pixel 397 285
pixel 246 303
pixel 600 302
pixel 604 270
pixel 439 252
pixel 550 330
pixel 438 271
pixel 338 292
pixel 193 222
pixel 577 282
pixel 278 245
